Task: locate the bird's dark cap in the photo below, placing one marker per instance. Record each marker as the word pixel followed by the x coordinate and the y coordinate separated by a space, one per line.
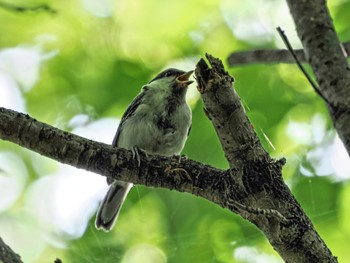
pixel 168 73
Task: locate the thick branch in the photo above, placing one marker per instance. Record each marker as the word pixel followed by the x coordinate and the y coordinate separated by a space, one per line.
pixel 192 177
pixel 7 255
pixel 224 109
pixel 266 200
pixel 270 56
pixel 327 59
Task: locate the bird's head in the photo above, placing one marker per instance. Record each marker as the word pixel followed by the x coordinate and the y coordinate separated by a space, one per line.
pixel 177 80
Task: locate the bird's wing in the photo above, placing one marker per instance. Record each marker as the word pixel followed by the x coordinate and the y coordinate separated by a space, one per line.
pixel 129 111
pixel 189 130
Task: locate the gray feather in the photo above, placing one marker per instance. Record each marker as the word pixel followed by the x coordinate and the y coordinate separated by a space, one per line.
pixel 158 121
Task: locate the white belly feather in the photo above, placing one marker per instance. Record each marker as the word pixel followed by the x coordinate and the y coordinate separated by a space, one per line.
pixel 141 128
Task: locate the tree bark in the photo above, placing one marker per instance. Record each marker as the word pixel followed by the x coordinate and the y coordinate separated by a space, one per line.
pixel 263 198
pixel 253 186
pixel 327 58
pixel 7 255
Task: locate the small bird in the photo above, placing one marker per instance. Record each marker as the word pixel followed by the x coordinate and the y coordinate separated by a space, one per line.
pixel 158 122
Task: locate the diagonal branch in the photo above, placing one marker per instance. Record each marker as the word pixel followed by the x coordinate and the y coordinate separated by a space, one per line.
pixel 7 254
pixel 300 66
pixel 224 109
pixel 267 201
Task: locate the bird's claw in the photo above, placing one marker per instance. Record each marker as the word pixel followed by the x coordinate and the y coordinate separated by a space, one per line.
pixel 136 154
pixel 180 157
pixel 183 156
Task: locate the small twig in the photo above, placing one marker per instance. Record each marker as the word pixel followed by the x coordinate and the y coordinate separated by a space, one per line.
pixel 15 8
pixel 300 66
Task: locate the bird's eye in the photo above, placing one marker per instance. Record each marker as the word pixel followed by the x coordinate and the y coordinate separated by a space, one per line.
pixel 167 74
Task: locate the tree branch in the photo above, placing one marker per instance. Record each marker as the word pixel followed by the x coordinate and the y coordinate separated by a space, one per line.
pixel 7 255
pixel 327 59
pixel 253 187
pixel 116 163
pixel 271 56
pixel 224 109
pixel 21 9
pixel 255 173
pixel 300 66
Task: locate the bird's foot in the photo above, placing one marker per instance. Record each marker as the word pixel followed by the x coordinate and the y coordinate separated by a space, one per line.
pixel 179 158
pixel 136 151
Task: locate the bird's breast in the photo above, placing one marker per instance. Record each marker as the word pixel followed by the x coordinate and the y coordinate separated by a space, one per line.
pixel 156 129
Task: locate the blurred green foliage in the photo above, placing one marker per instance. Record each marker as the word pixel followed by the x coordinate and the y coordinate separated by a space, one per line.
pixel 106 50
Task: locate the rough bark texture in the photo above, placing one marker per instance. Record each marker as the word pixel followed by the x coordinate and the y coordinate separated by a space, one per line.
pixel 327 58
pixel 117 163
pixel 252 187
pixel 7 255
pixel 257 176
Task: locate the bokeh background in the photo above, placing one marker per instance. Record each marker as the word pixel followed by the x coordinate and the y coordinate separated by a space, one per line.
pixel 79 68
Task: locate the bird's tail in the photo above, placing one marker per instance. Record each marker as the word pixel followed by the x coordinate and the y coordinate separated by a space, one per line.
pixel 109 208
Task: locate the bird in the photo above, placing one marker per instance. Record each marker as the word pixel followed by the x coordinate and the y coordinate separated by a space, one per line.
pixel 157 122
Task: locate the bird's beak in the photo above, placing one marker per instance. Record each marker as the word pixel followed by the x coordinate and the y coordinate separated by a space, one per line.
pixel 183 79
